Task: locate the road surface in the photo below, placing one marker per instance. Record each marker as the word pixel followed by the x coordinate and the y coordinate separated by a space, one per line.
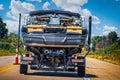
pixel 95 70
pixel 6 60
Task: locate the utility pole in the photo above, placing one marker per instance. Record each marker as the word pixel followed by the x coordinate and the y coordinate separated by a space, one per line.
pixel 19 31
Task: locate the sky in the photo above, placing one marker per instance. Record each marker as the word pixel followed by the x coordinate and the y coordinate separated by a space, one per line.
pixel 105 13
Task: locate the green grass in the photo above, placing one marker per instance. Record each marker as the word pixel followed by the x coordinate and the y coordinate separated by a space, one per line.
pixel 111 53
pixel 8 49
pixel 112 58
pixel 4 52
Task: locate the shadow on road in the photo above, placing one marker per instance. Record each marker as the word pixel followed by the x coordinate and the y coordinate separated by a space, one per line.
pixel 61 74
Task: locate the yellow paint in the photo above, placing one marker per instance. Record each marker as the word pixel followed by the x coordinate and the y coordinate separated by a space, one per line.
pixel 32 28
pixel 7 68
pixel 77 29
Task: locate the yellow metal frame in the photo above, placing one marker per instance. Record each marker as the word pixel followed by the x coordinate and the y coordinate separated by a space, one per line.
pixel 32 28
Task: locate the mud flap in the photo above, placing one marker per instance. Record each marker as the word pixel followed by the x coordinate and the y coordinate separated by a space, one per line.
pixel 80 64
pixel 78 60
pixel 81 67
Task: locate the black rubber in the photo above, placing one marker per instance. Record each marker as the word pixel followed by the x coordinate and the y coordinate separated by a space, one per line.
pixel 33 67
pixel 23 69
pixel 81 68
pixel 81 71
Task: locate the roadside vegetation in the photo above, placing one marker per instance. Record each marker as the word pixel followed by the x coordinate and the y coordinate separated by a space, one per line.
pixel 7 41
pixel 106 48
pixel 4 52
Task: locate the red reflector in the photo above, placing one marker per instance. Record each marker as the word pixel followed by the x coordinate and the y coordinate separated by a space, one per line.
pixel 77 60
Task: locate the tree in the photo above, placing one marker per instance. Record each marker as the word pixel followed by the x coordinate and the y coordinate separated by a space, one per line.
pixel 3 29
pixel 95 40
pixel 98 42
pixel 112 36
pixel 12 38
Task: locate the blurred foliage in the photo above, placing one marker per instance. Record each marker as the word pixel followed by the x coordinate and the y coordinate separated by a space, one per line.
pixel 96 40
pixel 112 36
pixel 110 53
pixel 106 48
pixel 113 48
pixel 7 46
pixel 9 43
pixel 4 52
pixel 103 41
pixel 3 29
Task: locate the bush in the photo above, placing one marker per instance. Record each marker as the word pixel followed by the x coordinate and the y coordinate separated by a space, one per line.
pixel 4 52
pixel 7 46
pixel 110 53
pixel 111 49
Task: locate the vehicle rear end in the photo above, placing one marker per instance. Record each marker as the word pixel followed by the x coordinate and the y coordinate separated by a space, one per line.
pixel 53 40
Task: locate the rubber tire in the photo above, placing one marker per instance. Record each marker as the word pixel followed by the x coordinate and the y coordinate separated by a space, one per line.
pixel 81 71
pixel 33 68
pixel 23 69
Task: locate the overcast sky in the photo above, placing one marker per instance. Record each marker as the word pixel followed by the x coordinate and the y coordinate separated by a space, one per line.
pixel 105 13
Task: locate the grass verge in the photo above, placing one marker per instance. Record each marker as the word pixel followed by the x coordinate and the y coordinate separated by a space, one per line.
pixel 112 58
pixel 4 52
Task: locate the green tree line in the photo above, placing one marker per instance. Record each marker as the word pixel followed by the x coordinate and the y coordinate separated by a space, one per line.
pixel 106 48
pixel 104 41
pixel 7 41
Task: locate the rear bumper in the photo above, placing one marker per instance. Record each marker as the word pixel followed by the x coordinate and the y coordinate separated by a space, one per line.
pixel 54 40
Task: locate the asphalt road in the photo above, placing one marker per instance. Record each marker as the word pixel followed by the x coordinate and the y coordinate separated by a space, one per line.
pixel 6 60
pixel 95 70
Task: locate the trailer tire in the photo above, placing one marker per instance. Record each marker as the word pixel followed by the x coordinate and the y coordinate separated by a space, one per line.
pixel 33 67
pixel 23 69
pixel 81 68
pixel 81 71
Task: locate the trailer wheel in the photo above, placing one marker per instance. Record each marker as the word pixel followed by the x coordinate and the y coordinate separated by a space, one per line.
pixel 81 71
pixel 81 68
pixel 23 69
